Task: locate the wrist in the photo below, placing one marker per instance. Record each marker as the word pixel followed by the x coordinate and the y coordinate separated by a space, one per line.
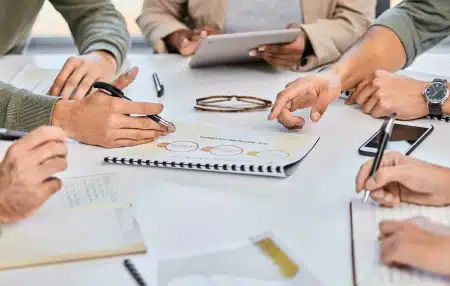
pixel 446 104
pixel 61 115
pixel 107 56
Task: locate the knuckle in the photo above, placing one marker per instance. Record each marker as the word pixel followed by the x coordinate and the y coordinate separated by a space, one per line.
pixel 376 82
pixel 379 73
pixel 145 123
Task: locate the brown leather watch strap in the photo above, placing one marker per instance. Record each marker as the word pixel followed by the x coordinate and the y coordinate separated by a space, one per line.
pixel 435 108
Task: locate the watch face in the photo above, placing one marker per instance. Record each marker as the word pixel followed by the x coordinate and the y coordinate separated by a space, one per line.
pixel 436 92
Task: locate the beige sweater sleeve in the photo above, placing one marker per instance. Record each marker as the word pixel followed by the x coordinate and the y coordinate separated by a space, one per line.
pixel 331 37
pixel 159 19
pixel 23 110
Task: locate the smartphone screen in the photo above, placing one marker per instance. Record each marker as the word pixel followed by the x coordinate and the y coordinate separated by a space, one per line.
pixel 402 138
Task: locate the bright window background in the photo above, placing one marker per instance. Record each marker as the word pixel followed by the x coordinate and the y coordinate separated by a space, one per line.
pixel 51 24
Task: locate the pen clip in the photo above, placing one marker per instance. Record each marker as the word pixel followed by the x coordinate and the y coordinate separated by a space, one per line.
pixel 109 88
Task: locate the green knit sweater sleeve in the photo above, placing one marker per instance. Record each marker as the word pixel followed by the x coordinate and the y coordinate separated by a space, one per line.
pixel 23 110
pixel 95 25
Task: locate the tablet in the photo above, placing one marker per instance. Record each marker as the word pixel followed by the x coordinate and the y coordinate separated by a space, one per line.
pixel 234 48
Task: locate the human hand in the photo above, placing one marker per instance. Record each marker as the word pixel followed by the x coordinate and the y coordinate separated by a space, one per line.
pixel 401 178
pixel 100 119
pixel 417 243
pixel 285 56
pixel 79 73
pixel 385 93
pixel 26 180
pixel 316 91
pixel 186 42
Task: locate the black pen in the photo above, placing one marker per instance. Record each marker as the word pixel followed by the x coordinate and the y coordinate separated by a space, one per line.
pixel 115 92
pixel 384 135
pixel 134 272
pixel 158 86
pixel 12 135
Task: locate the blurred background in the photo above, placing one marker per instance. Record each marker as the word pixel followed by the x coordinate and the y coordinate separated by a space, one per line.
pixel 51 34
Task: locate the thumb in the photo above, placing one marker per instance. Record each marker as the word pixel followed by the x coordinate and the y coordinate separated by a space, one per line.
pixel 326 96
pixel 126 79
pixel 328 90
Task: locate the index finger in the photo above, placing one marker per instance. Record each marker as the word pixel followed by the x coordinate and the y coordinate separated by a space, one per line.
pixel 296 89
pixel 133 107
pixel 363 175
pixel 40 136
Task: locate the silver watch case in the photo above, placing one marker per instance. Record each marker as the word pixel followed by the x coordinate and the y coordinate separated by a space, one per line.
pixel 441 101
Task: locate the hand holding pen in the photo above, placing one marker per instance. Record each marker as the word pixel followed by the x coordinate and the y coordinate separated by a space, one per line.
pixel 384 136
pixel 104 120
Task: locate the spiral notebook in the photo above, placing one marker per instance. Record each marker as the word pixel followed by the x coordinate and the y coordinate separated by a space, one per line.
pixel 368 269
pixel 207 148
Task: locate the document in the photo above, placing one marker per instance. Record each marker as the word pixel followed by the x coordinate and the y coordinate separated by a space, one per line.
pixel 209 148
pixel 259 262
pixel 368 268
pixel 81 221
pixel 35 79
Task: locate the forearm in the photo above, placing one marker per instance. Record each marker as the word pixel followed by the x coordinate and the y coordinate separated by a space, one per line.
pixel 380 48
pixel 96 26
pixel 22 110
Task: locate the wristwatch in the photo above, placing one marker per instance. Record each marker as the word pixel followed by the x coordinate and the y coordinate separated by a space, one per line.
pixel 436 93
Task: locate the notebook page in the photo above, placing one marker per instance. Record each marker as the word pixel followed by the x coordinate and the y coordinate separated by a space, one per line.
pixel 83 192
pixel 35 79
pixel 71 235
pixel 367 264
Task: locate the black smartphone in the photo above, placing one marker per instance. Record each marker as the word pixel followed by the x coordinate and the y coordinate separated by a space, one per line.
pixel 404 139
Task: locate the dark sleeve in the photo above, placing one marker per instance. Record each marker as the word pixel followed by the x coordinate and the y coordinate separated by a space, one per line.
pixel 419 24
pixel 95 25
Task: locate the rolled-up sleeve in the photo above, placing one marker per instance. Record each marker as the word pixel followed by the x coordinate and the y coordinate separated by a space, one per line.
pixel 419 24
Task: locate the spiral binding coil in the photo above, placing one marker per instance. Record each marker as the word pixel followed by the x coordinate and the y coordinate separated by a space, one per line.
pixel 198 166
pixel 445 118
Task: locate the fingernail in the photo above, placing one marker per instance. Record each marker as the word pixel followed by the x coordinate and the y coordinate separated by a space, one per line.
pixel 252 53
pixel 171 129
pixel 203 34
pixel 315 116
pixel 184 42
pixel 262 48
pixel 165 134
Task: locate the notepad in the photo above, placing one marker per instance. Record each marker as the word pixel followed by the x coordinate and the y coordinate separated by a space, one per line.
pixel 219 149
pixel 367 267
pixel 82 221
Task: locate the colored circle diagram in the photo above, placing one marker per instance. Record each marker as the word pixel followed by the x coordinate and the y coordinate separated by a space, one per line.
pixel 224 150
pixel 270 154
pixel 179 146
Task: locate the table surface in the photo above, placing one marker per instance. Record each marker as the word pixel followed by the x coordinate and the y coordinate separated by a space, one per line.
pixel 188 211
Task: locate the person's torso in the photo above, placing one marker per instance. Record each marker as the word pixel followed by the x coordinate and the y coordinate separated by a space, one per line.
pixel 16 20
pixel 214 12
pixel 261 15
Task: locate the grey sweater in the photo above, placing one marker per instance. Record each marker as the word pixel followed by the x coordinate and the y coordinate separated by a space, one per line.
pixel 95 25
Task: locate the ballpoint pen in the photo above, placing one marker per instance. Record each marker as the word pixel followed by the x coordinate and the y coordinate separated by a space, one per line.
pixel 115 92
pixel 158 86
pixel 11 135
pixel 385 135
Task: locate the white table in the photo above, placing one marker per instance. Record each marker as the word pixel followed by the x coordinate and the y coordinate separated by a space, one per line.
pixel 308 211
